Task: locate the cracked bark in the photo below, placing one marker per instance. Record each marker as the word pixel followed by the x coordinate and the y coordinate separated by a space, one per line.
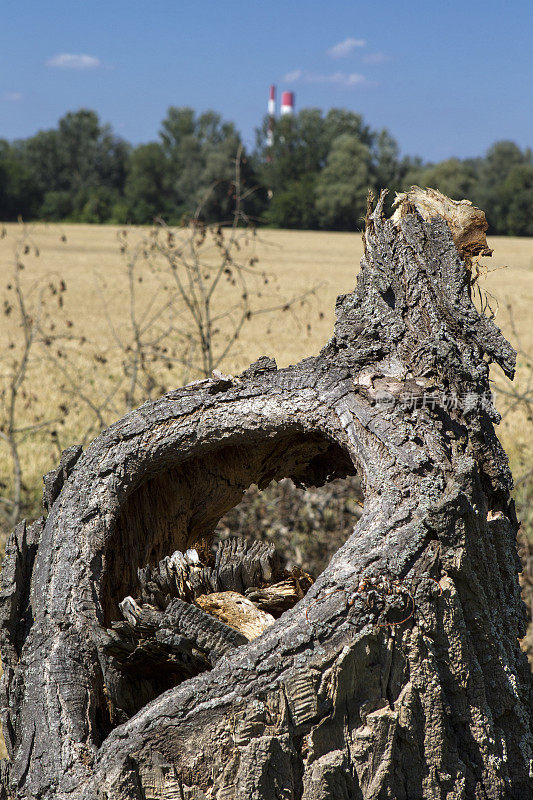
pixel 332 700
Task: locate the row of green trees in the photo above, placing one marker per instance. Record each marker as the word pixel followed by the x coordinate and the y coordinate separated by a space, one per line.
pixel 316 175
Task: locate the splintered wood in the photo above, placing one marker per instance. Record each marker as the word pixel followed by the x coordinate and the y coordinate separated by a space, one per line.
pixel 236 611
pixel 466 222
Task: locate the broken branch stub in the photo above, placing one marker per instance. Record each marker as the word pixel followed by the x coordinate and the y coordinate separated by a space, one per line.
pixel 466 222
pixel 398 674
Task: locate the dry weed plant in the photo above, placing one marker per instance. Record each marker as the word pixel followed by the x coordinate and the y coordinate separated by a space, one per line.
pixel 190 293
pixel 208 288
pixel 34 307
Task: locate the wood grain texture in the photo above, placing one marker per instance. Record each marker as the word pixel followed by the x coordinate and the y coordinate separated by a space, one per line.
pixel 334 699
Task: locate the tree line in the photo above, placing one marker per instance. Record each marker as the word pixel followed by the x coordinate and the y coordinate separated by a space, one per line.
pixel 316 175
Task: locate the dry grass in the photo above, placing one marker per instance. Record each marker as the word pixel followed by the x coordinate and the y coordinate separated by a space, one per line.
pixel 92 267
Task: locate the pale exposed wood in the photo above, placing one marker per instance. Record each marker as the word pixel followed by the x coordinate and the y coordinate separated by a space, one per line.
pixel 236 611
pixel 467 223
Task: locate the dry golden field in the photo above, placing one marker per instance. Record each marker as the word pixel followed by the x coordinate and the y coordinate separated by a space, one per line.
pixel 96 308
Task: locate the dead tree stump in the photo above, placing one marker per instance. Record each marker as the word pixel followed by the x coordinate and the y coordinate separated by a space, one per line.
pixel 398 675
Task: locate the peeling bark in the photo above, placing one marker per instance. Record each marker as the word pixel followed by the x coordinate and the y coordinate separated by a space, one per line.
pixel 398 675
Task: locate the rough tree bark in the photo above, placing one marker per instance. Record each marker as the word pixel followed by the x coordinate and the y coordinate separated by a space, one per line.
pixel 398 675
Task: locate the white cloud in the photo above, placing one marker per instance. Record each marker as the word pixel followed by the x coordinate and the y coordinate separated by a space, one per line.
pixel 342 79
pixel 293 76
pixel 74 61
pixel 344 48
pixel 375 58
pixel 12 97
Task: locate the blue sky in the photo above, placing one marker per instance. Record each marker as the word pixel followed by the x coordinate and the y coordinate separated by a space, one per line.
pixel 446 78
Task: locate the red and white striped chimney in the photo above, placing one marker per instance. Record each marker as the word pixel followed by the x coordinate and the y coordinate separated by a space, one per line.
pixel 287 103
pixel 272 102
pixel 271 116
